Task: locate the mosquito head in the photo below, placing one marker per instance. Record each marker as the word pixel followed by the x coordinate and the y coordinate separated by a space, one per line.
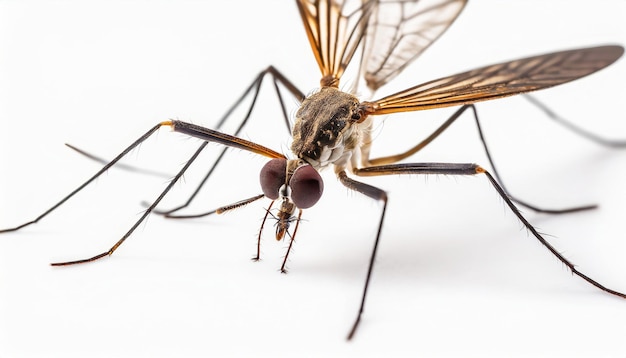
pixel 323 132
pixel 293 181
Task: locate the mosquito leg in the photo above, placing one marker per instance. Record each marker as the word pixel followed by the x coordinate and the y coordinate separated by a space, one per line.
pixel 254 88
pixel 543 241
pixel 515 199
pixel 473 169
pixel 283 107
pixel 376 194
pixel 83 185
pixel 283 268
pixel 138 222
pixel 120 165
pixel 441 129
pixel 574 128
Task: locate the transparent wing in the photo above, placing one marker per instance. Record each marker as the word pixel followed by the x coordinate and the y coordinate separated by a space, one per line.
pixel 495 81
pixel 399 31
pixel 335 29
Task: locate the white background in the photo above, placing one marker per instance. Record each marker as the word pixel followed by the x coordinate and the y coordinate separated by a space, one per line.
pixel 455 276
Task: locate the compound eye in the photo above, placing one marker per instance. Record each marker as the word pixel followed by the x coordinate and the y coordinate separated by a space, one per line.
pixel 272 177
pixel 306 186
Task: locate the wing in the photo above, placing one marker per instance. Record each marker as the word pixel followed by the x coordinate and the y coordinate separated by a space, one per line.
pixel 335 29
pixel 501 80
pixel 399 31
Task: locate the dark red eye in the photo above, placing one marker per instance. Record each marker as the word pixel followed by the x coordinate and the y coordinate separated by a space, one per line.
pixel 306 187
pixel 272 177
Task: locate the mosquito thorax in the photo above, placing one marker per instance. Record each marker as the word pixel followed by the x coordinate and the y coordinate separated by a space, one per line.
pixel 323 132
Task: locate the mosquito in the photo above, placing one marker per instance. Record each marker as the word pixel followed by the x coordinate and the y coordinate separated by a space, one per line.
pixel 333 128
